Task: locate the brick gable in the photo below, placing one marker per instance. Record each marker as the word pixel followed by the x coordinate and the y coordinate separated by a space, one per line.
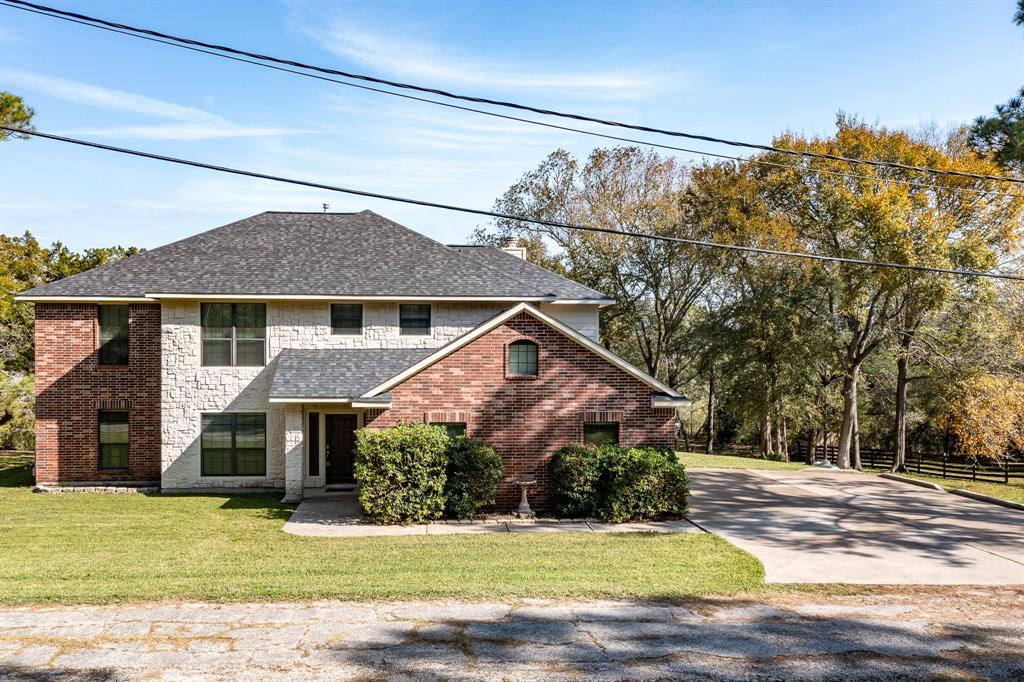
pixel 71 387
pixel 527 418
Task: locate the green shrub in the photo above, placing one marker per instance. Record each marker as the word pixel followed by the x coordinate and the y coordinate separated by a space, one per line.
pixel 401 472
pixel 617 484
pixel 473 474
pixel 575 477
pixel 641 483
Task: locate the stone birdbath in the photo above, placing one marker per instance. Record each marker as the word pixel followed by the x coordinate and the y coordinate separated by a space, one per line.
pixel 524 511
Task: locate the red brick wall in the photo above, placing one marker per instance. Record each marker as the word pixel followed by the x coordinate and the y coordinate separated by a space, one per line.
pixel 71 387
pixel 527 419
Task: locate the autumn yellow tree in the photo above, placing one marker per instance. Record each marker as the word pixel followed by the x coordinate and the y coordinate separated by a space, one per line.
pixel 892 215
pixel 986 415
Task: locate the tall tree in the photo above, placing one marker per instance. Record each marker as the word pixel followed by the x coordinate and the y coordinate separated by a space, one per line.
pixel 1001 137
pixel 655 283
pixel 883 214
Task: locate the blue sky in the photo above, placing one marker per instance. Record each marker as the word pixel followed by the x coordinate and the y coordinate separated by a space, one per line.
pixel 744 70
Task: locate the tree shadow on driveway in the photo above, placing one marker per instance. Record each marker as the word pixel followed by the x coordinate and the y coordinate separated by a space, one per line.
pixel 738 642
pixel 850 527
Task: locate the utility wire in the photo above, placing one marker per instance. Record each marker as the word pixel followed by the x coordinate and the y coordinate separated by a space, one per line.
pixel 509 216
pixel 449 105
pixel 20 4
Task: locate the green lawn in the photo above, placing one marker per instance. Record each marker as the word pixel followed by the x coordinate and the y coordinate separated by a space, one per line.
pixel 696 460
pixel 1013 492
pixel 94 548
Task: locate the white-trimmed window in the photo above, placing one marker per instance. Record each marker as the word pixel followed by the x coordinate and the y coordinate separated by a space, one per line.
pixel 234 334
pixel 522 358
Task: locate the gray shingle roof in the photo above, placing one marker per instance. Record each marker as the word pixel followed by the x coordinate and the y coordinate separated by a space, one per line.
pixel 526 271
pixel 337 373
pixel 327 254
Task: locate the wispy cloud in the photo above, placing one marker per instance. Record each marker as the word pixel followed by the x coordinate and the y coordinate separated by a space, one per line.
pixel 412 60
pixel 180 132
pixel 190 123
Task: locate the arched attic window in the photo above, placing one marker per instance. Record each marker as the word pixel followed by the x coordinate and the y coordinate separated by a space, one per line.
pixel 522 358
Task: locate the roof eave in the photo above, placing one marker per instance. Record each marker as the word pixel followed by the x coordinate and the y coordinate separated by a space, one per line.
pixel 30 298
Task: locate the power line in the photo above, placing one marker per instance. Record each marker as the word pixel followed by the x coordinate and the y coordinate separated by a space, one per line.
pixel 20 4
pixel 509 216
pixel 449 105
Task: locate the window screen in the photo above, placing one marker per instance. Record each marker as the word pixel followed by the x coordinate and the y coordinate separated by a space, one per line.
pixel 233 334
pixel 601 433
pixel 113 334
pixel 234 444
pixel 347 318
pixel 414 318
pixel 113 440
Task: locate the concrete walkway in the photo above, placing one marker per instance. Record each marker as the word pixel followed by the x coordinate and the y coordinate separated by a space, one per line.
pixel 337 515
pixel 801 637
pixel 815 526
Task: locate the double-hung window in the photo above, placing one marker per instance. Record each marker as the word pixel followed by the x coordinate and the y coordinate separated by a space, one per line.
pixel 113 428
pixel 601 433
pixel 414 319
pixel 347 319
pixel 234 334
pixel 113 334
pixel 234 444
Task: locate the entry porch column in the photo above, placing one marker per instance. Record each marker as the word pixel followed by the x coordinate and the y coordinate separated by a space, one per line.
pixel 294 451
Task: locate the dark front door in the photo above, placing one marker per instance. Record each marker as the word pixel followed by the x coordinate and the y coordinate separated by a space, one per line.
pixel 341 447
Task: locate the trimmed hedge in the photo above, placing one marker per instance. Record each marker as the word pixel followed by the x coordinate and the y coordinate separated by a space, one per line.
pixel 575 477
pixel 617 484
pixel 473 474
pixel 401 472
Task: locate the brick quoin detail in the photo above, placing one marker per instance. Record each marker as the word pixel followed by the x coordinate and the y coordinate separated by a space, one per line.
pixel 526 421
pixel 71 387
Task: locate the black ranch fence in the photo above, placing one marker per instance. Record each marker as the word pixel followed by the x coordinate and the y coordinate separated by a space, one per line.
pixel 935 464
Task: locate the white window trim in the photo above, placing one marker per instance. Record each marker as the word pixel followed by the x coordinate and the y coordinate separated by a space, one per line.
pixel 266 339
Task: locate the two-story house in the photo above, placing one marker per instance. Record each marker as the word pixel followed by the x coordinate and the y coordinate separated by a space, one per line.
pixel 246 357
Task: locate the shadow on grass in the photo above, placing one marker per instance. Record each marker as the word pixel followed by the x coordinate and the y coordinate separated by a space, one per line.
pixel 265 506
pixel 15 471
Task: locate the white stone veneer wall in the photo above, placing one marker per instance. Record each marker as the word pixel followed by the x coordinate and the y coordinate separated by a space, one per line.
pixel 188 389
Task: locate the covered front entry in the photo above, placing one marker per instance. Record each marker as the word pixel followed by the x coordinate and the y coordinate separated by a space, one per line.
pixel 339 446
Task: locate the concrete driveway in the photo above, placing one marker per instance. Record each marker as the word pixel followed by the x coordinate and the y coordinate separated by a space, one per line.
pixel 821 527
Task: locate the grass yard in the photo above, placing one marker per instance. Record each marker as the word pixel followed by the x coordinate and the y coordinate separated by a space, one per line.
pixel 95 548
pixel 696 460
pixel 1014 492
